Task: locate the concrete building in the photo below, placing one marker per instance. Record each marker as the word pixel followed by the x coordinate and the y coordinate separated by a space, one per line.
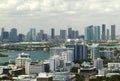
pixel 114 65
pixel 63 34
pixel 94 51
pixel 52 33
pixel 68 56
pixel 103 36
pixel 55 63
pixel 98 63
pixel 80 51
pixel 59 50
pixel 34 68
pixel 113 36
pixel 89 33
pixel 22 59
pixel 44 77
pixel 109 54
pixel 13 35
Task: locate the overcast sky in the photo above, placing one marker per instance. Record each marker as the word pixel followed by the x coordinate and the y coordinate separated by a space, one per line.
pixel 59 14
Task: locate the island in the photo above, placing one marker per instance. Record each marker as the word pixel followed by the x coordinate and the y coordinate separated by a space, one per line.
pixel 3 55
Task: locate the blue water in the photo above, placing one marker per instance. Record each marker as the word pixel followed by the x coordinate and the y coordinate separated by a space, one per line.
pixel 35 55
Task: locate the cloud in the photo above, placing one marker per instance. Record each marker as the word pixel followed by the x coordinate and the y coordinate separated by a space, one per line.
pixel 35 7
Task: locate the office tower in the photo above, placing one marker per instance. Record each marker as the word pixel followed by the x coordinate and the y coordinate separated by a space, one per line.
pixel 32 34
pixel 94 51
pixel 52 33
pixel 39 36
pixel 113 32
pixel 80 51
pixel 45 37
pixel 62 34
pixel 77 34
pixel 89 33
pixel 103 32
pixel 13 35
pixel 98 63
pixel 70 33
pixel 5 36
pixel 96 33
pixel 74 34
pixel 108 34
pixel 2 30
pixel 21 37
pixel 28 37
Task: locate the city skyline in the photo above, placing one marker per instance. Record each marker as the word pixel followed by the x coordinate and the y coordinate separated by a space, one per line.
pixel 58 14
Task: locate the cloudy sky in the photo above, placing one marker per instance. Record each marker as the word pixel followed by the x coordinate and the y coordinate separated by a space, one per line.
pixel 59 14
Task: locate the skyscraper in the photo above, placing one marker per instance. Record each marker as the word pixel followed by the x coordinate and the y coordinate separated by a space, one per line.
pixel 69 33
pixel 21 37
pixel 62 34
pixel 5 36
pixel 2 30
pixel 13 35
pixel 108 34
pixel 112 32
pixel 33 34
pixel 89 33
pixel 96 33
pixel 52 33
pixel 103 32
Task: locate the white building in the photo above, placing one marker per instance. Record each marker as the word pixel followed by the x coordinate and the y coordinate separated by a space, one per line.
pixel 55 63
pixel 102 72
pixel 34 67
pixel 68 56
pixel 59 50
pixel 114 65
pixel 22 59
pixel 98 63
pixel 44 77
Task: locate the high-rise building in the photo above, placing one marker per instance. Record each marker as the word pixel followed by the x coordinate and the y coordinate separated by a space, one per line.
pixel 70 33
pixel 5 36
pixel 2 30
pixel 80 51
pixel 13 35
pixel 112 32
pixel 33 34
pixel 89 33
pixel 108 34
pixel 21 37
pixel 94 51
pixel 103 32
pixel 62 34
pixel 96 33
pixel 52 33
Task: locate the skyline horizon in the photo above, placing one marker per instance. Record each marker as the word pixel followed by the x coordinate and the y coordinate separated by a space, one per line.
pixel 58 30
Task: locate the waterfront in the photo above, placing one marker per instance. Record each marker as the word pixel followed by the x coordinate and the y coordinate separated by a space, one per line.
pixel 35 55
